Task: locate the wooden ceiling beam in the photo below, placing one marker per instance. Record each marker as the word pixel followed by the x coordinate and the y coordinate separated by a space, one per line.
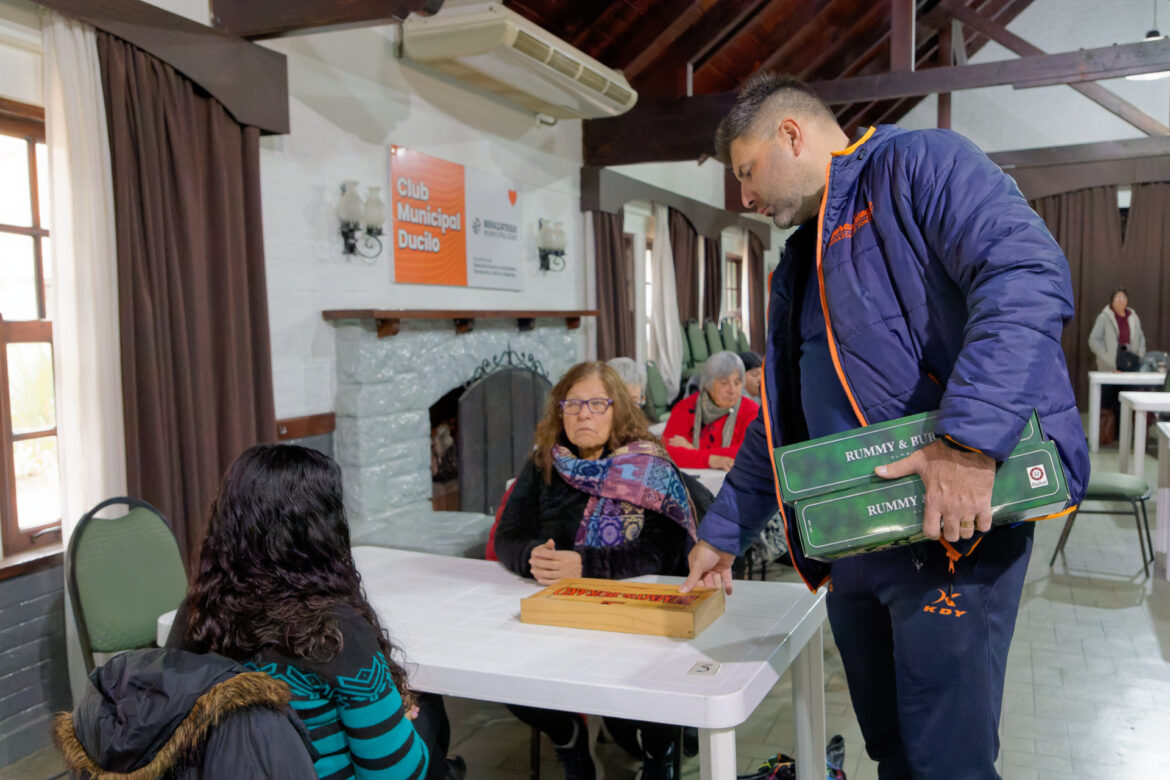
pixel 902 30
pixel 257 19
pixel 637 53
pixel 683 129
pixel 666 73
pixel 1103 97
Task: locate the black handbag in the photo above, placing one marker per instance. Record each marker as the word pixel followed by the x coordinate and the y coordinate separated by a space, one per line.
pixel 1126 360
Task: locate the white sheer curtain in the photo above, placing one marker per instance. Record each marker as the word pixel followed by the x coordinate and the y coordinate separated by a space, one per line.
pixel 86 353
pixel 665 328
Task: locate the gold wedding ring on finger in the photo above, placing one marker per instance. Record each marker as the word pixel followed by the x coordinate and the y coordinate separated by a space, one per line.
pixel 970 524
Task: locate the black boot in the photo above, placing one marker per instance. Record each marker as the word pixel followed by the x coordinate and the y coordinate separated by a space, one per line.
pixel 658 767
pixel 574 756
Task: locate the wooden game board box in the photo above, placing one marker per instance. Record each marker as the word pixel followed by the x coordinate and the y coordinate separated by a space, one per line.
pixel 626 607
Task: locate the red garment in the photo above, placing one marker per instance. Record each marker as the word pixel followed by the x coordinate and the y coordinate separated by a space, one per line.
pixel 682 423
pixel 1122 327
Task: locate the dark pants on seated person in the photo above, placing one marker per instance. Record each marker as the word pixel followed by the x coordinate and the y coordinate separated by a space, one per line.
pixel 653 740
pixel 925 651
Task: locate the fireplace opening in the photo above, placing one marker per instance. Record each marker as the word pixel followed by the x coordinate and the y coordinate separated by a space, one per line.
pixel 445 451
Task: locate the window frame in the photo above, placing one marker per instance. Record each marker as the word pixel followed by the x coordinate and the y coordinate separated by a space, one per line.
pixel 27 122
pixel 733 272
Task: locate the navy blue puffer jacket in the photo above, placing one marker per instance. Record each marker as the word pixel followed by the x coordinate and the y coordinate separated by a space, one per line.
pixel 942 289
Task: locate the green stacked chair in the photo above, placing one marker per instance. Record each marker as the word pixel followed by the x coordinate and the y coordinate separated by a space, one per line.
pixel 744 345
pixel 657 402
pixel 729 332
pixel 687 360
pixel 123 573
pixel 714 339
pixel 1120 487
pixel 698 346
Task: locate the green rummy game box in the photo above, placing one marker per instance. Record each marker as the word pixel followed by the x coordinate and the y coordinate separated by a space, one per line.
pixel 873 516
pixel 847 459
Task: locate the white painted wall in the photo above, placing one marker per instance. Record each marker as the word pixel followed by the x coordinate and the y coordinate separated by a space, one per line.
pixel 351 99
pixel 999 118
pixel 195 10
pixel 699 182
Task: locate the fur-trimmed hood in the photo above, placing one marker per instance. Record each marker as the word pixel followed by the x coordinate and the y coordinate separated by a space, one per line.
pixel 147 713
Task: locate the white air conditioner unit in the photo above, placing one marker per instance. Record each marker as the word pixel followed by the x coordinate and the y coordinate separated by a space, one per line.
pixel 499 51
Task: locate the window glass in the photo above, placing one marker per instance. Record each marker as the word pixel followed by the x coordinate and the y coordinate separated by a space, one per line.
pixel 15 201
pixel 43 186
pixel 30 387
pixel 18 291
pixel 38 489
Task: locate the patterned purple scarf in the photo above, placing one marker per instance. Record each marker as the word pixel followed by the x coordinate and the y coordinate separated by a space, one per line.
pixel 636 477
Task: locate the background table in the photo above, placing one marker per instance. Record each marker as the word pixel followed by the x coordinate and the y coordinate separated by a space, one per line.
pixel 458 621
pixel 712 479
pixel 1098 378
pixel 1133 404
pixel 1162 512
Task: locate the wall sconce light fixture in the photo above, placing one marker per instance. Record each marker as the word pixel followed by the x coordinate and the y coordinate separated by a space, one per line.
pixel 354 214
pixel 551 243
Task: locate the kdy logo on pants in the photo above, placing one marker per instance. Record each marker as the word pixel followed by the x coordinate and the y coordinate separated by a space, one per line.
pixel 947 600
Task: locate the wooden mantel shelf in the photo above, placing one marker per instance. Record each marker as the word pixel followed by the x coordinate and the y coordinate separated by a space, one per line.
pixel 389 319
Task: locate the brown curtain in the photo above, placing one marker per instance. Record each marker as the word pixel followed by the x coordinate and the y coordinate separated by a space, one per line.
pixel 196 362
pixel 1145 262
pixel 757 292
pixel 615 321
pixel 712 278
pixel 1087 225
pixel 684 245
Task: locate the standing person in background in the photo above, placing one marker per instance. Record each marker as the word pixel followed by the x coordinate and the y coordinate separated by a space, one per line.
pixel 918 279
pixel 633 377
pixel 1117 328
pixel 706 428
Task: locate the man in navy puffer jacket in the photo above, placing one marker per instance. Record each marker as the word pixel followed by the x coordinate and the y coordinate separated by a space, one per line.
pixel 918 279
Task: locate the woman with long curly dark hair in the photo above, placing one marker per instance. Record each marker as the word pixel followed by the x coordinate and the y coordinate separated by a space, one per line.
pixel 277 588
pixel 600 497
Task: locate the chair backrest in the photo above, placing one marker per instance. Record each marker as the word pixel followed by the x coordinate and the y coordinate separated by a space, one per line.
pixel 699 351
pixel 656 397
pixel 123 572
pixel 729 331
pixel 744 345
pixel 714 340
pixel 687 359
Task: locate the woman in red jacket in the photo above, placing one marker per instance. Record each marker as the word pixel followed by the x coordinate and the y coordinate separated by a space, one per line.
pixel 706 429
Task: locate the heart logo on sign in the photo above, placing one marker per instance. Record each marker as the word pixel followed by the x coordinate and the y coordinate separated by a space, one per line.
pixel 512 197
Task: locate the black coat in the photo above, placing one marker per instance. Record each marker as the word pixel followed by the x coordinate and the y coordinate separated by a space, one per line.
pixel 537 511
pixel 162 713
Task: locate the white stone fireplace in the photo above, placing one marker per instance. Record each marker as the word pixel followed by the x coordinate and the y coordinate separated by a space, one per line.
pixel 386 385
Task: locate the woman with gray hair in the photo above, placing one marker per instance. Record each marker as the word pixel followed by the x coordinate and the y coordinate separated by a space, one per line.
pixel 633 377
pixel 706 428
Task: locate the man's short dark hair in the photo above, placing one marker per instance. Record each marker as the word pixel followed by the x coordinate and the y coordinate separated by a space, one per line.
pixel 756 93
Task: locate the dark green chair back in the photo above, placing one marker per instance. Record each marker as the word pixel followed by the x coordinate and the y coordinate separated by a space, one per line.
pixel 656 397
pixel 729 332
pixel 714 340
pixel 688 361
pixel 744 345
pixel 123 573
pixel 698 342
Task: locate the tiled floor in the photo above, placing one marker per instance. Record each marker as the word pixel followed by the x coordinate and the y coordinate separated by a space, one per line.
pixel 1087 688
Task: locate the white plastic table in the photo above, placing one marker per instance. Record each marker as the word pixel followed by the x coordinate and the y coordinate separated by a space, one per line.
pixel 1133 404
pixel 458 621
pixel 1098 378
pixel 712 479
pixel 1162 512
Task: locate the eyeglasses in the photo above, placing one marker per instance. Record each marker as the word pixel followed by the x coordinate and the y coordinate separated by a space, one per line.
pixel 596 405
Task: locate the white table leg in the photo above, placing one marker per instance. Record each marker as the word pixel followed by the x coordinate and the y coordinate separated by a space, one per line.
pixel 1094 415
pixel 717 754
pixel 1123 434
pixel 1138 467
pixel 808 703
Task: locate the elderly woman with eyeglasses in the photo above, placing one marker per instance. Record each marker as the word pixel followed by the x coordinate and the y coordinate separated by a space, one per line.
pixel 706 428
pixel 599 497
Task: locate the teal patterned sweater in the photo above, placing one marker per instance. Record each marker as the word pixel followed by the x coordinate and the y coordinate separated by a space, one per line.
pixel 351 708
